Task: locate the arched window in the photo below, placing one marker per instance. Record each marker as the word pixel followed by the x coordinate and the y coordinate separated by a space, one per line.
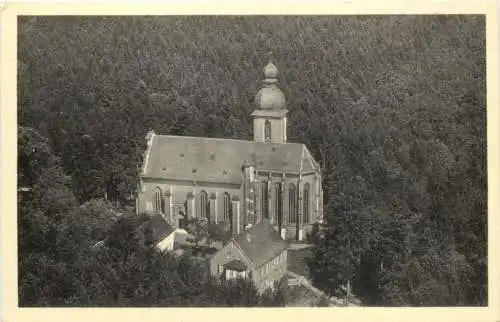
pixel 158 206
pixel 265 201
pixel 203 205
pixel 278 205
pixel 267 130
pixel 292 204
pixel 227 206
pixel 305 204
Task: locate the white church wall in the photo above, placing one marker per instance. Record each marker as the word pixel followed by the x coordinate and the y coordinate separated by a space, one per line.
pixel 278 129
pixel 180 191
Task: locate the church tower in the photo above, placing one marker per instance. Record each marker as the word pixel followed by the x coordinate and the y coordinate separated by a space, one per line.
pixel 269 119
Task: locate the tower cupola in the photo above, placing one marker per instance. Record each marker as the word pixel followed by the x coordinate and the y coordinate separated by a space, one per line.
pixel 270 97
pixel 270 115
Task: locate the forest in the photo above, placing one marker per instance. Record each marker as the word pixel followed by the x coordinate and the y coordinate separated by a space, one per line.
pixel 392 107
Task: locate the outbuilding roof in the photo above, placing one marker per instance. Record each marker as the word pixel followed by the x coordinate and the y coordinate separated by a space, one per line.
pixel 158 227
pixel 260 243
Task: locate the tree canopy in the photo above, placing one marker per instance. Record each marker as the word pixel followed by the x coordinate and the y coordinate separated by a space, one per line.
pixel 393 108
pixel 91 255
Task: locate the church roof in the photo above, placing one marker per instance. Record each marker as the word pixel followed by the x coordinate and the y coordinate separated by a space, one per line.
pixel 261 243
pixel 220 160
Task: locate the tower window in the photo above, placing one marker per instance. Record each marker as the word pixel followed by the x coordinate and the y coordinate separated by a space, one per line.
pixel 267 131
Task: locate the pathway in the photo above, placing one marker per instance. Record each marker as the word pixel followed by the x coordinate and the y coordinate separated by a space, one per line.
pixel 296 279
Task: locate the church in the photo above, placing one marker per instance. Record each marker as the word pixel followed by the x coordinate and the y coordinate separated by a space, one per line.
pixel 236 183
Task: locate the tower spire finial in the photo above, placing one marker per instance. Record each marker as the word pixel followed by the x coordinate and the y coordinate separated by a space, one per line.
pixel 270 71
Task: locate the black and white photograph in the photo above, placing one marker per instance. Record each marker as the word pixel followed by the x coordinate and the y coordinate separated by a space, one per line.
pixel 252 161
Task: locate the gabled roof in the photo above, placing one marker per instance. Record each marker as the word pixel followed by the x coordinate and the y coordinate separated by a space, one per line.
pixel 219 160
pixel 260 243
pixel 159 227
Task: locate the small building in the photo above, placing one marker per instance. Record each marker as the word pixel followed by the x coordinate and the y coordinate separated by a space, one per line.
pixel 163 235
pixel 258 253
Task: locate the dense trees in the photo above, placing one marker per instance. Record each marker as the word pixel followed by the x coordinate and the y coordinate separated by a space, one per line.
pixel 393 107
pixel 62 262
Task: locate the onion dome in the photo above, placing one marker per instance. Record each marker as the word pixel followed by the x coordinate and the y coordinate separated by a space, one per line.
pixel 270 97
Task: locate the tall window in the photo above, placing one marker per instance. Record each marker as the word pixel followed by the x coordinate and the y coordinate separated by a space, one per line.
pixel 265 201
pixel 204 206
pixel 292 204
pixel 227 206
pixel 305 203
pixel 278 206
pixel 267 130
pixel 158 202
